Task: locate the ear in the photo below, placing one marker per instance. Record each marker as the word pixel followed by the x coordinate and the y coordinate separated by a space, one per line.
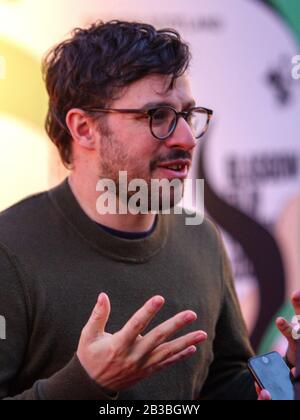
pixel 81 128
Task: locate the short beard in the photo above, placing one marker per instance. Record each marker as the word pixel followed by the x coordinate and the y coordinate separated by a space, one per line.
pixel 114 158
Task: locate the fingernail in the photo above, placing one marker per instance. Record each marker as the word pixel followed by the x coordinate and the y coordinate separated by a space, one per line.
pixel 101 299
pixel 281 322
pixel 190 317
pixel 297 297
pixel 201 337
pixel 192 350
pixel 157 302
pixel 266 395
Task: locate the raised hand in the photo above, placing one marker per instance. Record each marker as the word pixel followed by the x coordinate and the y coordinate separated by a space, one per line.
pixel 290 331
pixel 118 361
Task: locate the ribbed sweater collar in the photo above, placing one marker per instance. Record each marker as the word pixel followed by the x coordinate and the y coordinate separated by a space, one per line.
pixel 133 250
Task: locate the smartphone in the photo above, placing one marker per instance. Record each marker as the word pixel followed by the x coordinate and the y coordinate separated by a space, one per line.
pixel 272 373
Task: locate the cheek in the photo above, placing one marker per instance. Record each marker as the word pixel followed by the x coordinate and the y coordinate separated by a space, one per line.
pixel 143 150
pixel 137 147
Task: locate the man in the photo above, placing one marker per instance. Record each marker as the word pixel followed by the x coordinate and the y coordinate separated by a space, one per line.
pixel 119 100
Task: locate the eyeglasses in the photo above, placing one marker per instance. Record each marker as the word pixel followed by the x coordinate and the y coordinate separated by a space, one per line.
pixel 163 120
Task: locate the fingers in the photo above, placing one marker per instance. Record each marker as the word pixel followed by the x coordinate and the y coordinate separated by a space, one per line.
pixel 175 359
pixel 258 389
pixel 97 323
pixel 264 396
pixel 140 320
pixel 291 330
pixel 285 328
pixel 168 351
pixel 165 330
pixel 296 302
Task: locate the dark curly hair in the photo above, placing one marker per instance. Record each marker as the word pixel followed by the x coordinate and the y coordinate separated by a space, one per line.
pixel 95 64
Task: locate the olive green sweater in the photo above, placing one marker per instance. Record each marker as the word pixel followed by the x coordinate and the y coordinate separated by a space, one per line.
pixel 54 262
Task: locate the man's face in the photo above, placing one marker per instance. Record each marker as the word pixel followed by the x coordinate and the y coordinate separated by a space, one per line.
pixel 127 144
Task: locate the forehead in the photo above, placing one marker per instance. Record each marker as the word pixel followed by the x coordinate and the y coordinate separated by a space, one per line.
pixel 157 88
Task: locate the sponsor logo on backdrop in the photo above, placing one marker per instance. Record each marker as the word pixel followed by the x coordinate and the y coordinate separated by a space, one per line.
pixel 264 167
pixel 188 24
pixel 280 81
pixel 201 23
pixel 296 67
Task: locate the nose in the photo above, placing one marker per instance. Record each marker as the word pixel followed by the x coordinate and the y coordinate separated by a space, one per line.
pixel 182 137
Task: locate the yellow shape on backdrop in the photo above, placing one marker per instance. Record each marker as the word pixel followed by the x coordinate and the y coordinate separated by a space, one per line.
pixel 22 92
pixel 27 162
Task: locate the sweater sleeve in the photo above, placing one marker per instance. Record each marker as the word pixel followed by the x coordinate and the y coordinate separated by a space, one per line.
pixel 229 378
pixel 70 383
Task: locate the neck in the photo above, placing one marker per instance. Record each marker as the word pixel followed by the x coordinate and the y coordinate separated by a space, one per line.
pixel 84 190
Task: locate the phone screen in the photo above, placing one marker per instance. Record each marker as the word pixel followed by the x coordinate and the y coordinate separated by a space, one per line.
pixel 272 374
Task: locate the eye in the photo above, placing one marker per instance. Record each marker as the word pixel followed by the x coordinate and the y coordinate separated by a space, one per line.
pixel 162 115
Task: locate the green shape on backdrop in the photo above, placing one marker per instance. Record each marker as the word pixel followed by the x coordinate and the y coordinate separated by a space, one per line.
pixel 22 91
pixel 290 10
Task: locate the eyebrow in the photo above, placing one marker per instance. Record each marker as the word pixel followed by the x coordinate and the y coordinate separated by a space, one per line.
pixel 187 105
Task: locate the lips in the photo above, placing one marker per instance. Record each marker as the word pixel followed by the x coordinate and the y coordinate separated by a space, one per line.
pixel 174 169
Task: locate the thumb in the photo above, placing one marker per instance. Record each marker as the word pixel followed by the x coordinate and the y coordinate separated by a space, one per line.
pixel 97 323
pixel 285 328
